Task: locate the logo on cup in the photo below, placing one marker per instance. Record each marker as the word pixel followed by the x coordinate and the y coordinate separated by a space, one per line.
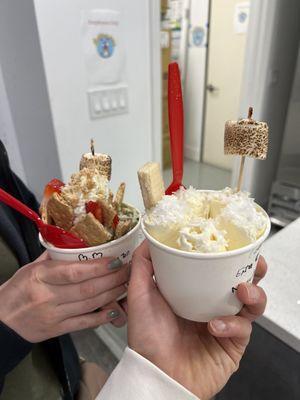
pixel 82 257
pixel 243 270
pixel 97 255
pixel 125 254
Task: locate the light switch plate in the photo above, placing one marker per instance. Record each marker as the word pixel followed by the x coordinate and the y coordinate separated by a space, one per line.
pixel 108 101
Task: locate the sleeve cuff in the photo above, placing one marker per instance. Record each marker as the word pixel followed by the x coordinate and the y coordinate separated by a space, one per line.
pixel 137 378
pixel 13 348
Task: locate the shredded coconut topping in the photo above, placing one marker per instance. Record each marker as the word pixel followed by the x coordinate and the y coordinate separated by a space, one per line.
pixel 195 220
pixel 242 213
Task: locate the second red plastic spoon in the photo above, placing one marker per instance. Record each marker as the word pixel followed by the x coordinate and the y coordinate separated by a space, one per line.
pixel 51 233
pixel 176 124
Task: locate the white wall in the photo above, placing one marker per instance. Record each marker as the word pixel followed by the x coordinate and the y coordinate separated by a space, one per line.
pixel 8 134
pixel 195 82
pixel 24 79
pixel 131 139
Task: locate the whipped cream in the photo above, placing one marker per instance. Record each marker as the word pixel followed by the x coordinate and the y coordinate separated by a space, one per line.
pixel 202 236
pixel 85 186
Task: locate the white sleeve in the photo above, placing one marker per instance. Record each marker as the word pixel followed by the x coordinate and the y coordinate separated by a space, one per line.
pixel 136 378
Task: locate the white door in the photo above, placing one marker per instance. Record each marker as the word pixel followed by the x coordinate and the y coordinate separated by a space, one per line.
pixel 226 48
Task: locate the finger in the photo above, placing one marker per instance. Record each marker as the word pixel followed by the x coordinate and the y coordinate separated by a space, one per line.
pixel 141 271
pixel 77 308
pixel 87 321
pixel 122 319
pixel 261 270
pixel 234 327
pixel 63 272
pixel 43 257
pixel 254 299
pixel 90 288
pixel 143 250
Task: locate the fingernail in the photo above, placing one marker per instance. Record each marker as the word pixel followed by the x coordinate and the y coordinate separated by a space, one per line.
pixel 115 264
pixel 252 292
pixel 113 314
pixel 218 325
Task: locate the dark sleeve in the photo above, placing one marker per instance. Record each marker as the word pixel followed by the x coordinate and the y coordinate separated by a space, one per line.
pixel 13 348
pixel 28 197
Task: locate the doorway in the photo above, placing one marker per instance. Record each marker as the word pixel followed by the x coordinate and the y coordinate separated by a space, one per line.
pixel 226 52
pixel 207 39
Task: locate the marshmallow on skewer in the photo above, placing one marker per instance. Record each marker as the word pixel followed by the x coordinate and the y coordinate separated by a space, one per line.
pixel 246 137
pixel 93 160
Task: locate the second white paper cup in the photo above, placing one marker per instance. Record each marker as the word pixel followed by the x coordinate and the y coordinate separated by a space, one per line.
pixel 200 286
pixel 122 248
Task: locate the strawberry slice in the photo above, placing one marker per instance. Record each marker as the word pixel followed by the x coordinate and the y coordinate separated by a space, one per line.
pixel 94 208
pixel 115 221
pixel 54 185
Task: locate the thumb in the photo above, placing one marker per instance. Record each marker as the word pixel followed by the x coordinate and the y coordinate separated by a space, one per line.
pixel 141 279
pixel 43 257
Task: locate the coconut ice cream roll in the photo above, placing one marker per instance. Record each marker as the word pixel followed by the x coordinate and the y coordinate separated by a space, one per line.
pixel 239 217
pixel 172 213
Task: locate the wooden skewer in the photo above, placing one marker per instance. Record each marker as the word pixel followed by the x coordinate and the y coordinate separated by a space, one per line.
pixel 240 180
pixel 250 112
pixel 242 165
pixel 92 147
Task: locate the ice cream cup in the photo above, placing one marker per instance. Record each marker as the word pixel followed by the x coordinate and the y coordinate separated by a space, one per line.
pixel 202 286
pixel 122 248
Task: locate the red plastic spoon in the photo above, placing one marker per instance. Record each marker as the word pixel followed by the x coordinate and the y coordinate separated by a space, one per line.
pixel 51 233
pixel 175 106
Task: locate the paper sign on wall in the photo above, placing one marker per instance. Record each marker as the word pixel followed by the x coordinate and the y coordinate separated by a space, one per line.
pixel 241 17
pixel 197 36
pixel 102 45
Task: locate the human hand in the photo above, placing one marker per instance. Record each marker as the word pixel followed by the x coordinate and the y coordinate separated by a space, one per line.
pixel 49 298
pixel 200 356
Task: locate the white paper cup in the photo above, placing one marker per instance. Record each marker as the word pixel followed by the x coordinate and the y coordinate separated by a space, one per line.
pixel 122 248
pixel 202 286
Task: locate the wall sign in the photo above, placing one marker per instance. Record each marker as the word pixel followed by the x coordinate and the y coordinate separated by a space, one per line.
pixel 241 17
pixel 197 36
pixel 102 46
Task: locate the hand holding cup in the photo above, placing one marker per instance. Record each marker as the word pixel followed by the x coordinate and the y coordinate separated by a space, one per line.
pixel 200 356
pixel 49 298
